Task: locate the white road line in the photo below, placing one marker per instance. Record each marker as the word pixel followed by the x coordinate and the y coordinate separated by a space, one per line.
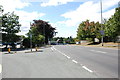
pixel 101 52
pixel 65 55
pixel 61 53
pixel 75 61
pixel 68 57
pixel 98 51
pixel 55 48
pixel 0 68
pixel 92 50
pixel 87 69
pixel 52 48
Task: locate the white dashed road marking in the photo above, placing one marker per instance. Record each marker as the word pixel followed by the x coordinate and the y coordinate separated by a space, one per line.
pixel 87 69
pixel 52 48
pixel 75 61
pixel 62 53
pixel 84 67
pixel 68 57
pixel 101 52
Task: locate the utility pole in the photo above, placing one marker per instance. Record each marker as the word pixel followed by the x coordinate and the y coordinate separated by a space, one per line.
pixel 119 4
pixel 102 32
pixel 44 31
pixel 30 38
pixel 31 41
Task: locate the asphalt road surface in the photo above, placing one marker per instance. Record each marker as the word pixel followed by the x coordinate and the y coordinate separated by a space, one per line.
pixel 62 61
pixel 102 61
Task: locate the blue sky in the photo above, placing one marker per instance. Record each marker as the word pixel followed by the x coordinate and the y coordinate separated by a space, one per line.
pixel 65 15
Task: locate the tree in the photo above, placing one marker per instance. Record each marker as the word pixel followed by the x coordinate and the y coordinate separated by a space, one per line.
pixel 10 26
pixel 112 26
pixel 88 30
pixel 81 32
pixel 26 42
pixel 43 29
pixel 1 11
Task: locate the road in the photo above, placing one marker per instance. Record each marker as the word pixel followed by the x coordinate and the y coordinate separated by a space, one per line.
pixel 62 61
pixel 102 61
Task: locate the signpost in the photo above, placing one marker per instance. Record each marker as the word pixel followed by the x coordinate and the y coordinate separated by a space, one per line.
pixel 31 41
pixel 102 32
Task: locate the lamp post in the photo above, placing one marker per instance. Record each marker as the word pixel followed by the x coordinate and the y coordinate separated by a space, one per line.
pixel 102 32
pixel 44 31
pixel 31 41
pixel 119 4
pixel 30 38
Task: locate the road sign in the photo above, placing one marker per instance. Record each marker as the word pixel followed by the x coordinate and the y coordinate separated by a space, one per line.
pixel 102 32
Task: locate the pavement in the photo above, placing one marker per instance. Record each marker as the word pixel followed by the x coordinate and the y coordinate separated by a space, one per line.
pixel 62 61
pixel 105 45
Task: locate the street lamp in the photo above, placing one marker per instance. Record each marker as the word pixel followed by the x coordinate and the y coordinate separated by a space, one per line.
pixel 44 31
pixel 102 32
pixel 30 38
pixel 119 4
pixel 31 41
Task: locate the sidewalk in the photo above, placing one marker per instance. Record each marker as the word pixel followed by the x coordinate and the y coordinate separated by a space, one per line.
pixel 105 45
pixel 23 51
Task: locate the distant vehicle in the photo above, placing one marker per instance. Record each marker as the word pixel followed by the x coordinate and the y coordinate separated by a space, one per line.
pixel 53 42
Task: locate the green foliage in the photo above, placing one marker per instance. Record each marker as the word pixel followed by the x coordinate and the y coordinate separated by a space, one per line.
pixel 68 40
pixel 1 9
pixel 11 38
pixel 88 30
pixel 112 26
pixel 10 23
pixel 10 26
pixel 37 38
pixel 40 27
pixel 41 31
pixel 26 42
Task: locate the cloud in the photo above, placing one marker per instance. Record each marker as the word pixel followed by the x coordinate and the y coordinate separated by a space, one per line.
pixel 63 31
pixel 88 10
pixel 109 3
pixel 55 2
pixel 12 5
pixel 108 14
pixel 45 3
pixel 25 18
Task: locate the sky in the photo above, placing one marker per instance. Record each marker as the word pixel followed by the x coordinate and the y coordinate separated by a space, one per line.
pixel 64 15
